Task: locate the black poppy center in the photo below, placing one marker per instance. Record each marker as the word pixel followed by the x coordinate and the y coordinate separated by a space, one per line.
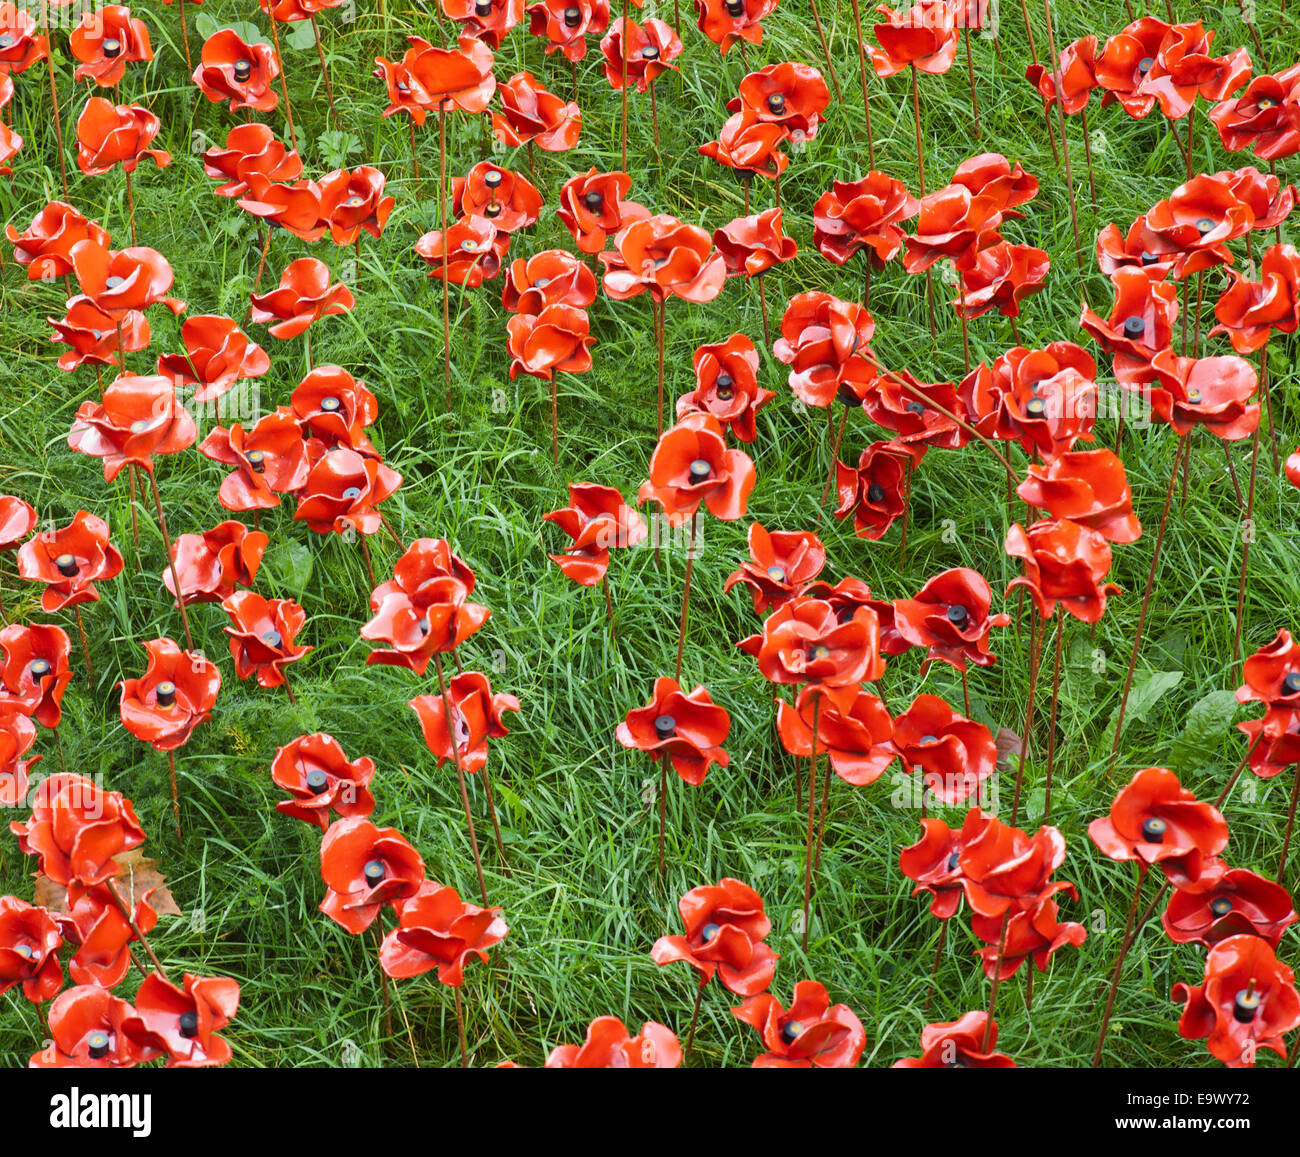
pixel 111 48
pixel 6 41
pixel 790 1031
pixel 330 405
pixel 483 8
pixel 139 426
pixel 1144 65
pixel 1204 225
pixel 243 69
pixel 649 52
pixel 735 8
pixel 257 460
pixel 97 1045
pixel 710 931
pixel 1221 905
pixel 272 639
pixel 916 407
pixel 317 781
pixel 572 17
pixel 700 471
pixel 492 178
pixel 594 201
pixel 820 651
pixel 493 210
pixel 957 614
pixel 1153 830
pixel 1194 396
pixel 402 86
pixel 776 574
pixel 40 668
pixel 66 565
pixel 927 739
pixel 1245 1005
pixel 875 492
pixel 374 872
pixel 1291 684
pixel 1134 326
pixel 665 726
pixel 953 861
pixel 165 694
pixel 1149 258
pixel 1267 102
pixel 113 282
pixel 352 492
pixel 776 103
pixel 846 395
pixel 25 951
pixel 188 1023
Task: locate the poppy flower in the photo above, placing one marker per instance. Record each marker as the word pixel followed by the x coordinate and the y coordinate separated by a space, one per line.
pixel 1124 63
pixel 1212 392
pixel 1000 277
pixel 94 923
pixel 35 672
pixel 955 754
pixel 916 425
pixel 552 277
pixel 303 296
pixel 826 344
pixel 1154 820
pixel 1045 399
pixel 1076 68
pixel 90 1028
pixel 21 47
pixel 365 869
pixel 76 828
pixel 853 728
pixel 726 377
pixel 212 564
pixel 780 566
pixel 596 520
pixel 925 36
pixel 17 520
pixel 1184 70
pixel 10 146
pixel 295 207
pixel 875 493
pixel 444 78
pixel 109 134
pixel 749 147
pixel 1088 487
pixel 320 778
pixel 557 340
pixel 790 94
pixel 474 248
pixel 952 222
pixel 1262 116
pixel 650 49
pixel 1064 562
pixel 333 409
pixel 689 728
pixel 123 280
pixel 1272 676
pixel 1263 193
pixel 811 1034
pixel 217 355
pixel 1239 903
pixel 804 641
pixel 504 198
pixel 727 22
pixel 105 41
pixel 1141 247
pixel 174 695
pixel 1005 869
pixel 187 1019
pixel 423 611
pixel 959 1044
pixel 17 735
pixel 1197 220
pixel 532 113
pixel 262 633
pixel 477 714
pixel 593 209
pixel 609 1046
pixel 665 256
pixel 93 334
pixel 1275 742
pixel 1032 932
pixel 752 245
pixel 863 214
pixel 725 926
pixel 437 929
pixel 232 69
pixel 352 200
pixel 933 863
pixel 29 946
pixel 1246 1002
pixel 270 458
pixel 486 20
pixel 950 616
pixel 252 156
pixel 566 24
pixel 1248 311
pixel 992 175
pixel 692 465
pixel 138 417
pixel 70 561
pixel 46 245
pixel 342 490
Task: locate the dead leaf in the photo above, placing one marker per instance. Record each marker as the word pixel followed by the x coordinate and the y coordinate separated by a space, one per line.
pixel 1008 744
pixel 140 877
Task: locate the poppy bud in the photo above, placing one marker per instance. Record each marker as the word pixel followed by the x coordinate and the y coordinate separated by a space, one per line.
pixel 1153 830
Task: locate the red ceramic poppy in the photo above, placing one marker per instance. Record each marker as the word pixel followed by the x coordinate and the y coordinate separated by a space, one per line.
pixel 1005 869
pixel 950 616
pixel 780 566
pixel 1064 562
pixel 485 20
pixel 991 175
pixel 365 869
pixel 1197 221
pixel 826 344
pixel 1001 277
pixel 105 41
pixel 1247 1002
pixel 109 135
pixel 70 561
pixel 752 245
pixel 212 564
pixel 790 94
pixel 863 214
pixel 448 78
pixel 557 340
pixel 916 425
pixel 252 156
pixel 23 46
pixel 333 410
pixel 1045 399
pixel 726 386
pixel 552 277
pixel 750 147
pixel 853 729
pixel 1033 932
pixel 593 209
pixel 665 256
pixel 102 935
pixel 187 1019
pixel 1272 676
pixel 952 222
pixel 90 1028
pixel 1184 70
pixel 474 248
pixel 35 672
pixel 270 459
pixel 477 716
pixel 650 49
pixel 262 633
pixel 1089 487
pixel 76 829
pixel 688 728
pixel 1239 903
pixel 405 93
pixel 217 355
pixel 437 929
pixel 1155 820
pixel 959 1044
pixel 725 926
pixel 925 35
pixel 294 207
pixel 232 69
pixel 934 864
pixel 1141 248
pixel 352 200
pixel 805 641
pixel 342 491
pixel 29 946
pixel 137 418
pixel 175 694
pixel 1211 392
pixel 505 198
pixel 692 465
pixel 11 145
pixel 811 1034
pixel 531 113
pixel 1248 311
pixel 1275 742
pixel 119 281
pixel 1076 68
pixel 1126 60
pixel 596 520
pixel 875 493
pixel 1262 117
pixel 93 334
pixel 955 754
pixel 1267 198
pixel 303 296
pixel 609 1046
pixel 46 246
pixel 567 23
pixel 17 520
pixel 320 778
pixel 726 22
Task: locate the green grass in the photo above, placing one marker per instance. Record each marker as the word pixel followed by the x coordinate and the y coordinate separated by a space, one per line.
pixel 582 901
